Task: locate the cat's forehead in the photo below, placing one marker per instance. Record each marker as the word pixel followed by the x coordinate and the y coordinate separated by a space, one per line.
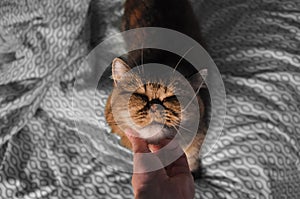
pixel 156 88
pixel 147 81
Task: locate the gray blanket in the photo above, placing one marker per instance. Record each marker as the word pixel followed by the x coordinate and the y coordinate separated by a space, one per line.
pixel 43 153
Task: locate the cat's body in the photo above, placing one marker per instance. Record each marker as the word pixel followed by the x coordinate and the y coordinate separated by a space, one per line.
pixel 144 100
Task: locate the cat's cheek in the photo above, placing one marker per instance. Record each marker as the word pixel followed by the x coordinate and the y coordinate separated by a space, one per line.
pixel 139 119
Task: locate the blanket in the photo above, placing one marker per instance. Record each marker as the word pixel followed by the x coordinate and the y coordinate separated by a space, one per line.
pixel 43 50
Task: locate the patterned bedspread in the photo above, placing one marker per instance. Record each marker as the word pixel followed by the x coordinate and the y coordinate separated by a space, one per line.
pixel 43 50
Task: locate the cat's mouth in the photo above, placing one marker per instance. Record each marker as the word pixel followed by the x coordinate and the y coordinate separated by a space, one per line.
pixel 155 132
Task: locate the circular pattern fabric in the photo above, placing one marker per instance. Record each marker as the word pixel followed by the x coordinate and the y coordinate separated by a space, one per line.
pixel 254 43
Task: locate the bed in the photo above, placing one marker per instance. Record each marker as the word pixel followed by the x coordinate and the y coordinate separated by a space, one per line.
pixel 43 50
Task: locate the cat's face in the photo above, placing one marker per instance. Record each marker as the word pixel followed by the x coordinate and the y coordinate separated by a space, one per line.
pixel 151 107
pixel 154 103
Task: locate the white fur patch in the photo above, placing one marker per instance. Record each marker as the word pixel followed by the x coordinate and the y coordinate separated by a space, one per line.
pixel 153 133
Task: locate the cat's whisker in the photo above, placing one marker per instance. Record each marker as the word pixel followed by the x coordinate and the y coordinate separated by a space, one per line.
pixel 181 136
pixel 175 122
pixel 186 129
pixel 182 58
pixel 197 91
pixel 136 65
pixel 142 57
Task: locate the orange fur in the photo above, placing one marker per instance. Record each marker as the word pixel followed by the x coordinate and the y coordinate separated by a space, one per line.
pixel 139 111
pixel 155 13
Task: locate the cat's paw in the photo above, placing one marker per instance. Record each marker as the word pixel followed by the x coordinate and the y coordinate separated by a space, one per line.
pixel 194 163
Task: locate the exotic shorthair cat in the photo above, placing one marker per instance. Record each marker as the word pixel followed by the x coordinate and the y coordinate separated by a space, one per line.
pixel 155 104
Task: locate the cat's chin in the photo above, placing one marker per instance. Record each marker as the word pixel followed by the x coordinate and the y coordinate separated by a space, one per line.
pixel 154 133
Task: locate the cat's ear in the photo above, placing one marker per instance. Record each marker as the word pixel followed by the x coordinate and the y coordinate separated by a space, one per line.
pixel 119 68
pixel 197 80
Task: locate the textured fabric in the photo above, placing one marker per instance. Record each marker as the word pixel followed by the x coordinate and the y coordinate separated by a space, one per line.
pixel 254 43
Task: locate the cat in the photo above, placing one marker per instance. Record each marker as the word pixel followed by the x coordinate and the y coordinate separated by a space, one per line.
pixel 154 105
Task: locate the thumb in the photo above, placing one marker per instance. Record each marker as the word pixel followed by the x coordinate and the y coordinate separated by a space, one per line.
pixel 138 145
pixel 143 160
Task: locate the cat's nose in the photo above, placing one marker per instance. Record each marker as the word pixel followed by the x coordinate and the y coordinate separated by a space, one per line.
pixel 156 107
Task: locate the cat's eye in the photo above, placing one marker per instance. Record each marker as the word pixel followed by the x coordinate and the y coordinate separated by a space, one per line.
pixel 125 93
pixel 170 98
pixel 142 96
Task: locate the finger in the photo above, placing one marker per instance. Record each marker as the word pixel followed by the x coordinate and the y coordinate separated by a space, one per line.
pixel 173 151
pixel 170 152
pixel 143 160
pixel 180 166
pixel 181 161
pixel 138 145
pixel 147 163
pixel 161 144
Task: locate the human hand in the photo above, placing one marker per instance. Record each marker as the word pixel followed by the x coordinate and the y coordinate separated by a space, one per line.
pixel 174 181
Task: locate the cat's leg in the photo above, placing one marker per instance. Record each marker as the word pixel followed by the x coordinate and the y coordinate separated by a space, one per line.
pixel 125 142
pixel 114 127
